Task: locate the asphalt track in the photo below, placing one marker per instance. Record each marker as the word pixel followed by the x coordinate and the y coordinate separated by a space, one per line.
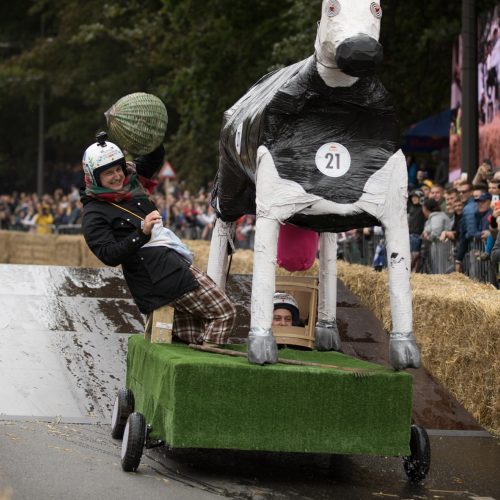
pixel 63 338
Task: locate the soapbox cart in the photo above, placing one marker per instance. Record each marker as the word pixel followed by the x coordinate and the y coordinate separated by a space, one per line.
pixel 309 402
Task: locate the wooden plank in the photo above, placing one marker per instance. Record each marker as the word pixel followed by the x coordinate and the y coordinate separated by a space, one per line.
pixel 162 325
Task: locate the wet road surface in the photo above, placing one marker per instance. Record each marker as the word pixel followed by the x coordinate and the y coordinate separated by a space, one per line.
pixel 63 334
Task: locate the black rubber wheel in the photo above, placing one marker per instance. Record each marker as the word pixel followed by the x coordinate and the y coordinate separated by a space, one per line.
pixel 134 438
pixel 123 407
pixel 418 463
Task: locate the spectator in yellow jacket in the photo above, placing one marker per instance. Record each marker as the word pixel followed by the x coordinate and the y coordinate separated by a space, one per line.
pixel 43 219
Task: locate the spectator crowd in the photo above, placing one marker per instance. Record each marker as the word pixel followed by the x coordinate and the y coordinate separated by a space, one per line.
pixel 452 226
pixel 456 222
pixel 189 215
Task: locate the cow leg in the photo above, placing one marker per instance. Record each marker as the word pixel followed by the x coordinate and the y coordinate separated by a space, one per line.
pixel 261 342
pixel 403 349
pixel 326 333
pixel 222 240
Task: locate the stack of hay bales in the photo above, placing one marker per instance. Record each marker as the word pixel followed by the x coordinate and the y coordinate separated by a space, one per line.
pixel 45 249
pixel 457 325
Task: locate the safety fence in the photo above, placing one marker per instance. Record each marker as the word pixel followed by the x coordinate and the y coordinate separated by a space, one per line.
pixel 436 257
pixel 47 228
pixel 67 229
pixel 362 249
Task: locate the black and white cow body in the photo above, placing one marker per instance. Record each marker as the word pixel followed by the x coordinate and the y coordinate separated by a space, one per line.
pixel 315 145
pixel 293 113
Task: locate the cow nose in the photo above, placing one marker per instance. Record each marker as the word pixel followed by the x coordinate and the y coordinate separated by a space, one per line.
pixel 359 55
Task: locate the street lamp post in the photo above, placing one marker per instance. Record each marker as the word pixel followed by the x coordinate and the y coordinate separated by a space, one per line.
pixel 41 144
pixel 41 128
pixel 469 156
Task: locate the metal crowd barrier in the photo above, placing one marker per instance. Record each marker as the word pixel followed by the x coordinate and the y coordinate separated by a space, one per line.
pixel 67 229
pixel 438 257
pixel 359 249
pixel 476 266
pixel 47 228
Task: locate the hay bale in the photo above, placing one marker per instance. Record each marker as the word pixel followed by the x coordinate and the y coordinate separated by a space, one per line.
pixel 5 246
pixel 27 248
pixel 456 322
pixel 88 259
pixel 68 250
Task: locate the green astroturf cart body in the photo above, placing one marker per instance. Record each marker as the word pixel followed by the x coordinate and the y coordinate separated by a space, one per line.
pixel 190 399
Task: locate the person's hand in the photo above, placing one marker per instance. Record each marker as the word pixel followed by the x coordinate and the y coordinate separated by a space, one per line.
pixel 425 235
pixel 151 219
pixel 484 234
pixel 483 171
pixel 443 236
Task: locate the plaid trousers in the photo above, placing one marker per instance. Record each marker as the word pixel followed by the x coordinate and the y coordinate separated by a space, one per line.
pixel 203 314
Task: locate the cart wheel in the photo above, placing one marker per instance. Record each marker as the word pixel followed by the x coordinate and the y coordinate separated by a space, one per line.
pixel 123 407
pixel 418 463
pixel 134 438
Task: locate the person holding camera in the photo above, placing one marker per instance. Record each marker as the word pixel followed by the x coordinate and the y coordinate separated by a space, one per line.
pixel 122 226
pixel 484 173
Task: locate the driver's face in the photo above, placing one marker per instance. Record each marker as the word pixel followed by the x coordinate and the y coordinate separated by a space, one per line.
pixel 282 317
pixel 113 178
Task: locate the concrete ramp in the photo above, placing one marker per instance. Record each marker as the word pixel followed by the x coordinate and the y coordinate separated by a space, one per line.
pixel 63 337
pixel 63 343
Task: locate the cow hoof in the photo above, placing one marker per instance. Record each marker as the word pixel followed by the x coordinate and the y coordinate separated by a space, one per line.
pixel 262 348
pixel 327 336
pixel 403 351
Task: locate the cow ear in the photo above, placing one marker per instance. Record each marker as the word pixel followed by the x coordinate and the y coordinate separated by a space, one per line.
pixel 376 10
pixel 333 8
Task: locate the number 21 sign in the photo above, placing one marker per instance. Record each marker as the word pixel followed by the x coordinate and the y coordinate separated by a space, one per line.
pixel 333 159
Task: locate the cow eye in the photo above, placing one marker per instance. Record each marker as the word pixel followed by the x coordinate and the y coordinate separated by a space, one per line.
pixel 333 8
pixel 376 10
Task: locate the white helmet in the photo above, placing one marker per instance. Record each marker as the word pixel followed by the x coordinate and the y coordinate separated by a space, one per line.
pixel 100 156
pixel 283 300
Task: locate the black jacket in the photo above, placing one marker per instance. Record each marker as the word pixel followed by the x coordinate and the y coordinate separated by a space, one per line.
pixel 416 219
pixel 155 275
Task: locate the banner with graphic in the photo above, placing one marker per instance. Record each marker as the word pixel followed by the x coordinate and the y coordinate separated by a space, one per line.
pixel 488 94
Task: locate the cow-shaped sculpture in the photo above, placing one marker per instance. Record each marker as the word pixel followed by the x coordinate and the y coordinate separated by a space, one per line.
pixel 315 145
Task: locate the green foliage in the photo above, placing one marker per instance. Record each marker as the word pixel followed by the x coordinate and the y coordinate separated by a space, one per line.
pixel 198 58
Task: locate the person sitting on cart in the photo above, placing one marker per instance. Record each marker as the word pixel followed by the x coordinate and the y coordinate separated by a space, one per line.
pixel 286 310
pixel 122 226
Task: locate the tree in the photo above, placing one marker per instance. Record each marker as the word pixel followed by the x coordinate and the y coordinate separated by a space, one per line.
pixel 218 56
pixel 198 59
